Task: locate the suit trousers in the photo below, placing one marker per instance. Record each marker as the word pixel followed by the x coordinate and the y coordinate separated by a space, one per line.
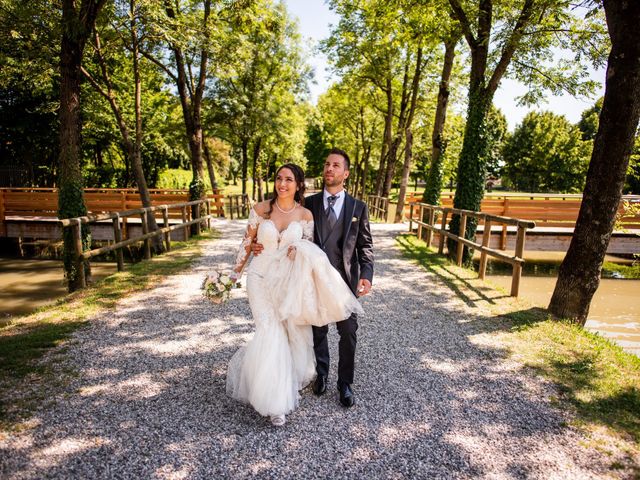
pixel 346 348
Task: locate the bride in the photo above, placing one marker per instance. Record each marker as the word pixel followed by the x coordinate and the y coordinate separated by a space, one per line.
pixel 291 285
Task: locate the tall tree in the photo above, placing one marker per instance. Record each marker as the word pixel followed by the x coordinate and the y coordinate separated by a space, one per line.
pixel 546 154
pixel 127 15
pixel 408 132
pixel 260 89
pixel 579 275
pixel 191 92
pixel 78 20
pixel 433 185
pixel 495 38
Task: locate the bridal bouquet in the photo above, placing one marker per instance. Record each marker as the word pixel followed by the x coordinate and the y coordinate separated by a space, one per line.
pixel 217 287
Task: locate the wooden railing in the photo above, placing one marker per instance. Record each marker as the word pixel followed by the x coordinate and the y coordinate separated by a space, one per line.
pixel 238 204
pixel 82 256
pixel 547 210
pixel 428 212
pixel 378 207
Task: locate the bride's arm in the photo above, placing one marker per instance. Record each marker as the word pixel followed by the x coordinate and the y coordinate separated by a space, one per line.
pixel 307 230
pixel 245 247
pixel 307 233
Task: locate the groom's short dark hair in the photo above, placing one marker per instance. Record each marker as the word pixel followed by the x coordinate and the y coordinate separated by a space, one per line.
pixel 343 154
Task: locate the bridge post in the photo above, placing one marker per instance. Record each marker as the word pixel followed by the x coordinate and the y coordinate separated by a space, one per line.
pixel 2 227
pixel 486 237
pixel 184 220
pixel 165 222
pixel 443 226
pixel 197 214
pixel 411 205
pixel 145 230
pixel 117 235
pixel 460 246
pixel 432 214
pixel 77 246
pixel 208 204
pixel 517 267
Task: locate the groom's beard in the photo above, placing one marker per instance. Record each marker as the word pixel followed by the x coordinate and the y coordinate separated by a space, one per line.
pixel 334 183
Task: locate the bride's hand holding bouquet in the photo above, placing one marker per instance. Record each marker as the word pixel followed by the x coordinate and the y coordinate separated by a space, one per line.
pixel 217 286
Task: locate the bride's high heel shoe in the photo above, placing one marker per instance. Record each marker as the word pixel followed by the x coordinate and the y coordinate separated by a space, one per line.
pixel 277 420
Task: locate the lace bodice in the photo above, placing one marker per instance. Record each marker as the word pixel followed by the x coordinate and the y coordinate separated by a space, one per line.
pixel 268 235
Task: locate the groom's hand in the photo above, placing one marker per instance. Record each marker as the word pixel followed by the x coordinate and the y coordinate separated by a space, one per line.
pixel 364 287
pixel 256 248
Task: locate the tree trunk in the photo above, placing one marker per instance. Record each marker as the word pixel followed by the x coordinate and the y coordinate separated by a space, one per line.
pixel 408 149
pixel 267 167
pixel 244 148
pixel 133 152
pixel 392 155
pixel 482 87
pixel 191 103
pixel 365 172
pixel 433 188
pixel 579 275
pixel 256 160
pixel 471 168
pixel 212 173
pixel 76 28
pixel 406 167
pixel 367 160
pixel 387 138
pixel 138 172
pixel 256 169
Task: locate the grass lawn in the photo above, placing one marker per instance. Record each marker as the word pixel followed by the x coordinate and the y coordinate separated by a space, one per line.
pixel 596 378
pixel 626 271
pixel 28 357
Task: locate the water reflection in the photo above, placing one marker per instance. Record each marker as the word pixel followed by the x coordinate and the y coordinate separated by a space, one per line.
pixel 27 284
pixel 615 308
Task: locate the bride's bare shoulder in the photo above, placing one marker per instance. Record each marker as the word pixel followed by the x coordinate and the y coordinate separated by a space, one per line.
pixel 307 216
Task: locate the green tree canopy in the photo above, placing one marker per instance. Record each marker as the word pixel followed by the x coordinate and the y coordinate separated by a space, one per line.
pixel 546 154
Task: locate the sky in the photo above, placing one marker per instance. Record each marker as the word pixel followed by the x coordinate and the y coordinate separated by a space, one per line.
pixel 315 20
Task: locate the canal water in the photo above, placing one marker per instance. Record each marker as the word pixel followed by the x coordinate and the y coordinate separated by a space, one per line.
pixel 26 284
pixel 614 311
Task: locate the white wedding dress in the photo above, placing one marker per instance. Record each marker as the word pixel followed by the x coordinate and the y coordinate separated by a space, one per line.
pixel 286 297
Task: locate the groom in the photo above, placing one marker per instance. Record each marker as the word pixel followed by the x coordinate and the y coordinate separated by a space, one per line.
pixel 342 232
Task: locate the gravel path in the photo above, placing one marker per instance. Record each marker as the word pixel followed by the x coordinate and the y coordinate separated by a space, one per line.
pixel 433 402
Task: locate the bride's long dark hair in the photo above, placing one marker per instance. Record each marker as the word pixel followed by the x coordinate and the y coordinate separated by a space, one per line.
pixel 298 174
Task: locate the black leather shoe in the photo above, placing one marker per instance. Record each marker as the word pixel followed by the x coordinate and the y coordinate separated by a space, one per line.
pixel 320 385
pixel 347 398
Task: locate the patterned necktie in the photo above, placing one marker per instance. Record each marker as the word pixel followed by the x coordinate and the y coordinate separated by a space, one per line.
pixel 331 213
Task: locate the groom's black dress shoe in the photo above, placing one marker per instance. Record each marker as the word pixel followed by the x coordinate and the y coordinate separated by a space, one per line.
pixel 347 398
pixel 320 385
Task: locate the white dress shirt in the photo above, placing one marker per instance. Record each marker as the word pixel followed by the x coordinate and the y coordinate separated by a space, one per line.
pixel 337 207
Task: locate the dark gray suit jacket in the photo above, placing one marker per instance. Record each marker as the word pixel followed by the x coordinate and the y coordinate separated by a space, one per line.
pixel 357 244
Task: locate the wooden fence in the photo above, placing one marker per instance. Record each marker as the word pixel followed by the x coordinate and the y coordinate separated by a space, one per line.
pixel 428 212
pixel 82 256
pixel 378 207
pixel 239 204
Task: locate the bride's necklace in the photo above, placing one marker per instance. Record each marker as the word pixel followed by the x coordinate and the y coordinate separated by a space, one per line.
pixel 295 204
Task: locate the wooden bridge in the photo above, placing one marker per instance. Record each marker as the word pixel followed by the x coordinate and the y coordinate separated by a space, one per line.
pixel 555 217
pixel 31 213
